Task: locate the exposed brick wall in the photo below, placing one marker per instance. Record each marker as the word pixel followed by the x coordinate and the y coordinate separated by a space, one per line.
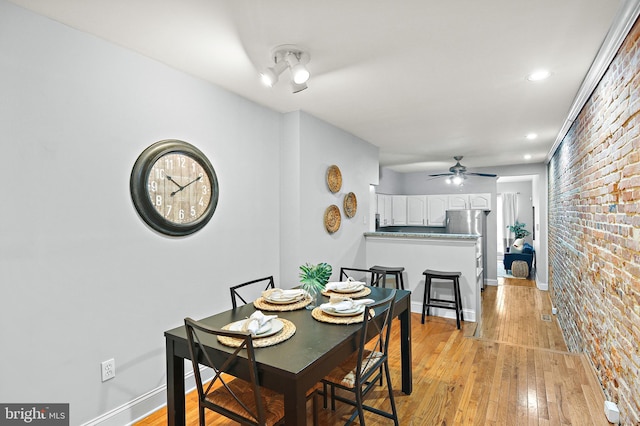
pixel 594 231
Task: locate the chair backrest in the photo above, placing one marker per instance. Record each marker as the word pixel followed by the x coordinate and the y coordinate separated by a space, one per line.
pixel 267 282
pixel 364 275
pixel 198 335
pixel 373 351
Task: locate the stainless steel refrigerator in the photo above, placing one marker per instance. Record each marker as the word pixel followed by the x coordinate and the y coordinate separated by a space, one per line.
pixel 471 222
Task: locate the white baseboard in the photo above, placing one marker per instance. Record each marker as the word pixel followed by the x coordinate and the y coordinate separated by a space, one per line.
pixel 140 407
pixel 469 315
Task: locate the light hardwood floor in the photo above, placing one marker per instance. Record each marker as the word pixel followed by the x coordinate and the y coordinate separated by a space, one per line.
pixel 510 369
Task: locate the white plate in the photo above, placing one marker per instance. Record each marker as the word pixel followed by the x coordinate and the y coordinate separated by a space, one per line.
pixel 269 329
pixel 349 289
pixel 350 313
pixel 284 300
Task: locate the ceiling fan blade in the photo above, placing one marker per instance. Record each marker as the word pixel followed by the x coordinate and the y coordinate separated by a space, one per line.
pixel 442 174
pixel 482 174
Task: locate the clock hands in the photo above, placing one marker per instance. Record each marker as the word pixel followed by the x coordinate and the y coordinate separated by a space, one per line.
pixel 183 187
pixel 171 179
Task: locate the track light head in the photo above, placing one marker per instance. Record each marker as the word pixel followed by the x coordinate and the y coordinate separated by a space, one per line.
pixel 288 56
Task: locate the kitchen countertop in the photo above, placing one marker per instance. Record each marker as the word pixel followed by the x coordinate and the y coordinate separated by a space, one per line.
pixel 424 236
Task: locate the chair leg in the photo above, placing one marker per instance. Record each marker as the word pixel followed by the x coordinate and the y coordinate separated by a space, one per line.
pixel 391 399
pixel 359 405
pixel 201 415
pixel 427 297
pixel 460 299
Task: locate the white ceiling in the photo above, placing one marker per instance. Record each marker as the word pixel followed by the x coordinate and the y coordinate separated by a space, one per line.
pixel 422 79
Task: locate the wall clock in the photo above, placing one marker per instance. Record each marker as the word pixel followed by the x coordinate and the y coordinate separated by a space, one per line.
pixel 174 187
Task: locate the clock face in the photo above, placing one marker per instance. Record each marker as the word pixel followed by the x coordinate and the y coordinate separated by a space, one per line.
pixel 174 187
pixel 179 188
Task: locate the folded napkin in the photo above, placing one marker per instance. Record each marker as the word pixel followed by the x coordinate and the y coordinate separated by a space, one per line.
pixel 343 285
pixel 278 293
pixel 256 321
pixel 342 304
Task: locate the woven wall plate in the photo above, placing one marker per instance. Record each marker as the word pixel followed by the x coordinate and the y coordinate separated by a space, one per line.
pixel 332 218
pixel 334 178
pixel 350 204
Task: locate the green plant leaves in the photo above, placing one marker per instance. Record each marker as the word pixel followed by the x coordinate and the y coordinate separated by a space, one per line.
pixel 315 276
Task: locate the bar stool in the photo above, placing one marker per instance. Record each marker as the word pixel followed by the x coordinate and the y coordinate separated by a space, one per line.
pixel 396 271
pixel 428 301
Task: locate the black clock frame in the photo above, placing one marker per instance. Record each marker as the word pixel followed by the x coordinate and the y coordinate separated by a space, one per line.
pixel 140 191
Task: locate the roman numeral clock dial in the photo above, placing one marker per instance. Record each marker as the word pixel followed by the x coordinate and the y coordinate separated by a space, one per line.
pixel 174 187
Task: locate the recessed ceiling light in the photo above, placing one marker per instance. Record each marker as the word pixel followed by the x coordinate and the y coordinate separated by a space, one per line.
pixel 532 136
pixel 539 75
pixel 527 156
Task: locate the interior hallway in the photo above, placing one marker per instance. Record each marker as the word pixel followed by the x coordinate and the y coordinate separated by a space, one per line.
pixel 511 369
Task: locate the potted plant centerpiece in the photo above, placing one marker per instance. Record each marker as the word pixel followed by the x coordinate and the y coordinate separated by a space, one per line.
pixel 313 279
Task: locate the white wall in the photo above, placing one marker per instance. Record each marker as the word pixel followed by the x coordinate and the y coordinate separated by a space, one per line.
pixel 317 145
pixel 83 279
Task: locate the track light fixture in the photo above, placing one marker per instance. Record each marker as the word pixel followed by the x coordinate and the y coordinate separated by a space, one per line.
pixel 283 57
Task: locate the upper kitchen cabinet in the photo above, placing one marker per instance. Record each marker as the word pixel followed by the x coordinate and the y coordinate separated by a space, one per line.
pixel 399 209
pixel 417 210
pixel 436 209
pixel 385 209
pixel 458 202
pixel 480 201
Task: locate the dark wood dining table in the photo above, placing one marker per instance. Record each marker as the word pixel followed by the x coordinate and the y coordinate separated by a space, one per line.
pixel 293 366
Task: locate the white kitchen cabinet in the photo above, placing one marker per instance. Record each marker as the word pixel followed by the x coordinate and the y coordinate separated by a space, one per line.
pixel 399 209
pixel 458 202
pixel 480 201
pixel 417 210
pixel 384 209
pixel 436 210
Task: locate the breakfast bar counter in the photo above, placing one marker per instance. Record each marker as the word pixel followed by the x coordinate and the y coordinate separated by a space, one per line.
pixel 438 251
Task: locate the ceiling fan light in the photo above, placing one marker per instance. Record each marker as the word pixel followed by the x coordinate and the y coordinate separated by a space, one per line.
pixel 457 180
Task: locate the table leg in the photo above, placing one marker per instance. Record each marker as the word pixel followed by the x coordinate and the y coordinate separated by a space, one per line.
pixel 405 351
pixel 295 406
pixel 175 388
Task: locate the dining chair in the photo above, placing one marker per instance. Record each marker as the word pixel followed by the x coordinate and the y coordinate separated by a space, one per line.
pixel 359 372
pixel 364 275
pixel 235 295
pixel 245 402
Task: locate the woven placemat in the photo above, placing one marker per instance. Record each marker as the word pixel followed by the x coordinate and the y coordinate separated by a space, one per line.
pixel 364 292
pixel 319 314
pixel 287 331
pixel 261 303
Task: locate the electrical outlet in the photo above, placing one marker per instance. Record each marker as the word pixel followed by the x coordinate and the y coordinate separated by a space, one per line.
pixel 108 369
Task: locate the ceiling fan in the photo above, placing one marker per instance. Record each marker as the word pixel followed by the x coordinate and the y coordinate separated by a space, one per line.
pixel 458 173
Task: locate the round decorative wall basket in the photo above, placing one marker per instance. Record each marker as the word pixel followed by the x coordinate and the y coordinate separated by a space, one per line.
pixel 332 218
pixel 350 204
pixel 334 178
